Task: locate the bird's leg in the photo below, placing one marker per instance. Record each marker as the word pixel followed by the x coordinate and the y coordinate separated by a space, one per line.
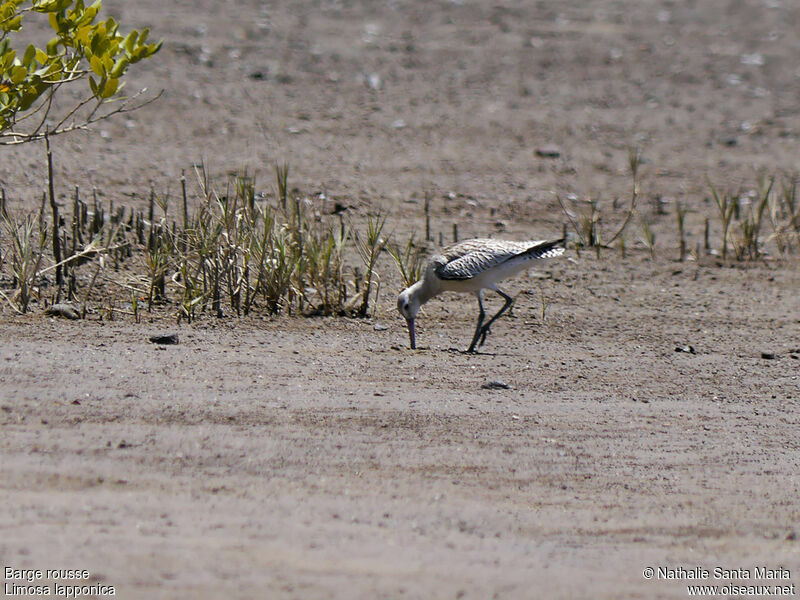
pixel 509 301
pixel 478 329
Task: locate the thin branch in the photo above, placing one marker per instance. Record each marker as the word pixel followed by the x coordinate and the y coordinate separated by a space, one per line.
pixel 571 220
pixel 48 107
pixel 91 249
pixel 34 111
pixel 23 138
pixel 79 106
pixel 124 285
pixel 628 216
pixel 89 289
pixel 11 304
pixel 55 84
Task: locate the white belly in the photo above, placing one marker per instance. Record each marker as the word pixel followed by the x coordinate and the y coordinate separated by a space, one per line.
pixel 488 278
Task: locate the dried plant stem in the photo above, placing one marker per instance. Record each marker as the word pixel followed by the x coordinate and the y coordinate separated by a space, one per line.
pixel 680 215
pixel 727 204
pixel 56 220
pixel 427 217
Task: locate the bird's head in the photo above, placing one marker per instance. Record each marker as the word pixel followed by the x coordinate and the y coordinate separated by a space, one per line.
pixel 408 305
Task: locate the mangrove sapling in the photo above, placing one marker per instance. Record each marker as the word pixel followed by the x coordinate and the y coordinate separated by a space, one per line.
pixel 727 205
pixel 587 223
pixel 28 239
pixel 369 246
pixel 750 227
pixel 648 237
pixel 410 260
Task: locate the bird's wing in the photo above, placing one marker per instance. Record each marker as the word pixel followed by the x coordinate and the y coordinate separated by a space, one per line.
pixel 471 263
pixel 472 257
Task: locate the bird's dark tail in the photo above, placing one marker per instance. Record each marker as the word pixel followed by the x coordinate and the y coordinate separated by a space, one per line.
pixel 547 249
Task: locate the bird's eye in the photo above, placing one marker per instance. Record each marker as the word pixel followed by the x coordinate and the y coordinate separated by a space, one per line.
pixel 405 306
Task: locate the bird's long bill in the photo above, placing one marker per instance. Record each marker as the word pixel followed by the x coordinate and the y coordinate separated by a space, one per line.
pixel 410 323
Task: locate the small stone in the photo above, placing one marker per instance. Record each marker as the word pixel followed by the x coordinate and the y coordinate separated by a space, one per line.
pixel 496 385
pixel 67 311
pixel 688 349
pixel 165 339
pixel 768 355
pixel 548 152
pixel 753 60
pixel 380 327
pixel 792 536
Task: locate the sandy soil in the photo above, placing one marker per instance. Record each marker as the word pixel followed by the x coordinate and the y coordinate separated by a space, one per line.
pixel 320 458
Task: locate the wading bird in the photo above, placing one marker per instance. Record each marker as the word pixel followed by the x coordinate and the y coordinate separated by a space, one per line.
pixel 472 266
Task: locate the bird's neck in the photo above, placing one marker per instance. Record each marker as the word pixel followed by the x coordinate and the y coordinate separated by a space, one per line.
pixel 424 289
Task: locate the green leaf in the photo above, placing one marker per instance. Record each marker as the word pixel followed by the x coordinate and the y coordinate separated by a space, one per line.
pixel 18 74
pixel 8 59
pixel 54 22
pixel 82 34
pixel 30 54
pixel 110 88
pixel 49 6
pixel 28 99
pixel 99 44
pixel 94 43
pixel 96 64
pixel 130 41
pixel 93 86
pixel 12 24
pixel 119 67
pixel 89 15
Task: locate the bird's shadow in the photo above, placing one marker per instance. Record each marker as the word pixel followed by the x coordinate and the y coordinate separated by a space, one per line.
pixel 452 350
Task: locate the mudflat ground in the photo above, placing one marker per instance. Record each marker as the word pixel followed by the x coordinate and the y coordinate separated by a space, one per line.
pixel 651 414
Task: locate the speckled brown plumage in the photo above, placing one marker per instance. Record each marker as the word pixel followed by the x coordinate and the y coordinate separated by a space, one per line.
pixel 469 258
